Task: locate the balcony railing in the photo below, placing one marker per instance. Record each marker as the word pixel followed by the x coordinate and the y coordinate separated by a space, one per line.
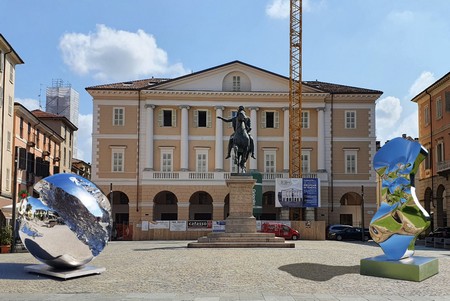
pixel 443 168
pixel 221 176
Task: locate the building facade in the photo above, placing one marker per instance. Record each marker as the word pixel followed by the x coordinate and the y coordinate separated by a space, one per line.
pixel 37 149
pixel 433 185
pixel 9 59
pixel 159 149
pixel 64 128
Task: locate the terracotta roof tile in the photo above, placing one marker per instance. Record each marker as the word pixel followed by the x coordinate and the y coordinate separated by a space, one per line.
pixel 339 89
pixel 130 85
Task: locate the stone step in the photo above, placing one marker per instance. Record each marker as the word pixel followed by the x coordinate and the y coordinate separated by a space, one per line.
pixel 241 245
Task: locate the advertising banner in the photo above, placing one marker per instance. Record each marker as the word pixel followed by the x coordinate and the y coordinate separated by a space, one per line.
pixel 297 192
pixel 199 225
pixel 158 225
pixel 177 225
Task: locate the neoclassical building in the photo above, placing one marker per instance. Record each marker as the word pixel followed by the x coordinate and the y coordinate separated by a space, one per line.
pixel 159 149
pixel 433 185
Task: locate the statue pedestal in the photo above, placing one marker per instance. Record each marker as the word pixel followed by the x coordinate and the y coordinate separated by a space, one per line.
pixel 414 268
pixel 240 226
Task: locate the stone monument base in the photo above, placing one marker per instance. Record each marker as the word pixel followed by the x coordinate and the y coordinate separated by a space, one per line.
pixel 414 268
pixel 241 240
pixel 63 274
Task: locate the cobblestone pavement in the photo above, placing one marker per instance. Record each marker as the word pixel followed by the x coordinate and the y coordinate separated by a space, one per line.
pixel 168 270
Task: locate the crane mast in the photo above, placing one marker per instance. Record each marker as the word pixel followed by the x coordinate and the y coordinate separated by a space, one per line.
pixel 295 90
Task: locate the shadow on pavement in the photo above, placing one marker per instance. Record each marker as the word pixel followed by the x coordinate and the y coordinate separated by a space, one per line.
pixel 16 271
pixel 318 272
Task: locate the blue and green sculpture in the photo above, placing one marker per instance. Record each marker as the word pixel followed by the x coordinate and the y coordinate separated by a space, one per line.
pixel 400 218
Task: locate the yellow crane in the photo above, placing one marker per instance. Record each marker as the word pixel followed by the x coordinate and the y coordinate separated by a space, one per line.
pixel 295 90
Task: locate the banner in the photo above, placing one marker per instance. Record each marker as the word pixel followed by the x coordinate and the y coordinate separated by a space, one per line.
pixel 257 194
pixel 297 192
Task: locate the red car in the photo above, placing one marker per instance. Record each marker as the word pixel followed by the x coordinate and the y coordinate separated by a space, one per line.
pixel 280 230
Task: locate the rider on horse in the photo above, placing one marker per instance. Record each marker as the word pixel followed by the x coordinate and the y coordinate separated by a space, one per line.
pixel 247 128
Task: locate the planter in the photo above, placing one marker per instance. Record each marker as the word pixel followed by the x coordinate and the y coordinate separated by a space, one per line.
pixel 5 249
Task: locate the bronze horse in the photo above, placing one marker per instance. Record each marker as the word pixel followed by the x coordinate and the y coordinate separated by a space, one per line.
pixel 241 143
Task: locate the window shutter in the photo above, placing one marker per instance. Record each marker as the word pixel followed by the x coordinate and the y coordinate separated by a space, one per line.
pixel 263 120
pixel 277 120
pixel 196 118
pixel 160 117
pixel 447 101
pixel 174 118
pixel 208 118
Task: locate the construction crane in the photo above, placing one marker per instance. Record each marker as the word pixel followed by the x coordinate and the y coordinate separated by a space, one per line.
pixel 295 90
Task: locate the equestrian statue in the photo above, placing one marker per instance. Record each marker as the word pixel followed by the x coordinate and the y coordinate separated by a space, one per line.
pixel 240 141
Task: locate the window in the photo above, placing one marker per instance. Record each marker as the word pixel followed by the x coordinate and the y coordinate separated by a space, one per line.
pixel 438 108
pixel 202 160
pixel 305 119
pixel 11 72
pixel 236 83
pixel 350 161
pixel 167 160
pixel 270 161
pixel 202 119
pixel 8 141
pixel 21 127
pixel 37 138
pixel 118 160
pixel 440 152
pixel 167 118
pixel 306 164
pixel 350 119
pixel 270 119
pixel 45 142
pixel 426 115
pixel 447 101
pixel 10 106
pixel 118 116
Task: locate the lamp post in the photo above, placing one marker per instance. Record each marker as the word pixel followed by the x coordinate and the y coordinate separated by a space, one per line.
pixel 362 213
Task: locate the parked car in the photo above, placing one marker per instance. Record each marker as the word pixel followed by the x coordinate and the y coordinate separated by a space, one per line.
pixel 440 232
pixel 352 233
pixel 280 230
pixel 335 228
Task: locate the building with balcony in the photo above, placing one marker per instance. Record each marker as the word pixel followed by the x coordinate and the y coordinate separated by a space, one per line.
pixel 37 149
pixel 9 59
pixel 433 185
pixel 159 150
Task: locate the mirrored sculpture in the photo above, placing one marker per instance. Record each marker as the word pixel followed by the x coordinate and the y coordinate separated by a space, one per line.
pixel 68 225
pixel 400 217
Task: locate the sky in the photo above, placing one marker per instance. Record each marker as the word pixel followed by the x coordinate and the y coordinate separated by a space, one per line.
pixel 399 47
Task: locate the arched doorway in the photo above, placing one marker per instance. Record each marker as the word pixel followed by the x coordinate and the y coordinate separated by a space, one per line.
pixel 350 211
pixel 120 211
pixel 165 206
pixel 200 206
pixel 269 211
pixel 441 207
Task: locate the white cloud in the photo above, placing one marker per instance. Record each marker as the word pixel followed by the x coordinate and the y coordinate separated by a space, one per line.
pixel 84 139
pixel 280 9
pixel 421 83
pixel 111 54
pixel 388 111
pixel 29 103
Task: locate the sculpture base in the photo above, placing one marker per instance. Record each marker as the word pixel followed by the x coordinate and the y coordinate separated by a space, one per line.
pixel 63 274
pixel 241 240
pixel 414 268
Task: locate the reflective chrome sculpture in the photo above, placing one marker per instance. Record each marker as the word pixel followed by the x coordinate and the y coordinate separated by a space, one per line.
pixel 68 225
pixel 400 218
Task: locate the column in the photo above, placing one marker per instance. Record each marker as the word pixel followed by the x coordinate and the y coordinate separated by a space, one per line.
pixel 254 132
pixel 184 142
pixel 320 139
pixel 286 145
pixel 219 140
pixel 149 134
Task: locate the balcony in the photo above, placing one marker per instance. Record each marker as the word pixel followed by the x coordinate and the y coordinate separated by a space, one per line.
pixel 443 168
pixel 209 177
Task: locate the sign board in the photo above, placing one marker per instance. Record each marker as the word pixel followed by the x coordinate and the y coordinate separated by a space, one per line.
pixel 297 192
pixel 178 226
pixel 257 194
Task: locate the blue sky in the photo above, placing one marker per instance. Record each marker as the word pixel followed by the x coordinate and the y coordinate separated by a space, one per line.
pixel 399 47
